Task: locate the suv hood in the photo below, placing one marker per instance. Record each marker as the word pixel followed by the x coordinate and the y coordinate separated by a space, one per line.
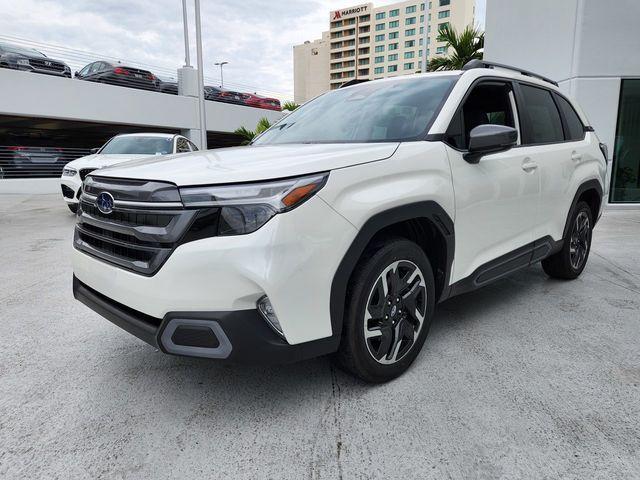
pixel 100 161
pixel 251 163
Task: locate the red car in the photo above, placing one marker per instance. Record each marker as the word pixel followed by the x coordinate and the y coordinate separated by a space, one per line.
pixel 262 102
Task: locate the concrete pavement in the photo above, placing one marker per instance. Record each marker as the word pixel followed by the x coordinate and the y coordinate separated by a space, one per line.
pixel 527 378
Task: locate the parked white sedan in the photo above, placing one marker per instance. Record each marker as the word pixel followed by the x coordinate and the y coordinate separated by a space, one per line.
pixel 119 149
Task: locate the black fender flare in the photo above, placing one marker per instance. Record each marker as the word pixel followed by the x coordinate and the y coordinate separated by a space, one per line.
pixel 588 185
pixel 428 209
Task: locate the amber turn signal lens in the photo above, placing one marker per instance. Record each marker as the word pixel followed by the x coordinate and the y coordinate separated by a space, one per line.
pixel 296 195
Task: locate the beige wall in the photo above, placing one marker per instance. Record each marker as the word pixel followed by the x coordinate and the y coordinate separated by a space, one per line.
pixel 311 69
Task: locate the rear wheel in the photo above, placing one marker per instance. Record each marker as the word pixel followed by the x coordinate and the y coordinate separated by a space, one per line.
pixel 389 309
pixel 569 262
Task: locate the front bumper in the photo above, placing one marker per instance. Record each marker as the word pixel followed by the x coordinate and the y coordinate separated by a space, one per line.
pixel 240 336
pixel 292 259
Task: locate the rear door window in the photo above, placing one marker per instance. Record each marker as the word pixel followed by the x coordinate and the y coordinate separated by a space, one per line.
pixel 542 123
pixel 575 127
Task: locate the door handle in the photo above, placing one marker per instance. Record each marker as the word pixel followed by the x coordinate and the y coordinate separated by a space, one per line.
pixel 528 165
pixel 576 157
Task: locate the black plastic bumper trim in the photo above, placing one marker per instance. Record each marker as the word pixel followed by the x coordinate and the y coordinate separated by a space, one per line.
pixel 250 338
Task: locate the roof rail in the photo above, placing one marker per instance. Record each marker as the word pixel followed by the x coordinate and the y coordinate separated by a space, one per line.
pixel 473 64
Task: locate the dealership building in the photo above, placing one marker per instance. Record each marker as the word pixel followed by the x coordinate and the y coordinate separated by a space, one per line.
pixel 365 42
pixel 592 49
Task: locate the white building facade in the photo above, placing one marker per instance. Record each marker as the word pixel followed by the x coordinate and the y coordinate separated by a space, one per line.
pixel 592 48
pixel 367 42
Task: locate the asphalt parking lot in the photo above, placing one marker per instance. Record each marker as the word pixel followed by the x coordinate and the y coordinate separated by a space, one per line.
pixel 527 378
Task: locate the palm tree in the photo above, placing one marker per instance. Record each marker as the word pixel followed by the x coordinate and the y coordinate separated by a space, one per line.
pixel 291 106
pixel 249 135
pixel 466 46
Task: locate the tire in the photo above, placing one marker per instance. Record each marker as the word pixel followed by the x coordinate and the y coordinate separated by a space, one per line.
pixel 569 262
pixel 73 207
pixel 380 357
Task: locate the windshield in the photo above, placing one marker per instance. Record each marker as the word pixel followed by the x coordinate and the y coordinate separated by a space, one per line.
pixel 138 146
pixel 382 111
pixel 21 51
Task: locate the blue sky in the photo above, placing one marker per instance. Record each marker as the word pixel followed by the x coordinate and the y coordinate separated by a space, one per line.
pixel 254 36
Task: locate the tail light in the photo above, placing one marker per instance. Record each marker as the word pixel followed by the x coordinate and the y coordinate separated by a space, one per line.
pixel 151 77
pixel 16 149
pixel 120 71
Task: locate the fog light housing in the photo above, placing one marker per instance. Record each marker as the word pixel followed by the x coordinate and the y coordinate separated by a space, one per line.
pixel 266 310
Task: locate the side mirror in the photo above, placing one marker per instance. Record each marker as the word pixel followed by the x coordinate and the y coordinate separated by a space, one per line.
pixel 76 74
pixel 94 150
pixel 486 139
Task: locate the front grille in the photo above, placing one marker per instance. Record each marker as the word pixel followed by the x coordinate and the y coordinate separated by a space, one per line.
pixel 138 234
pixel 84 172
pixel 44 64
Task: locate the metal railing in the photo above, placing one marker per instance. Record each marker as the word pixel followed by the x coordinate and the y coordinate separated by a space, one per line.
pixel 24 161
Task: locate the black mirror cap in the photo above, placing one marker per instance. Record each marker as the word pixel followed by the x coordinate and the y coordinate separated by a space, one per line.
pixel 486 139
pixel 94 150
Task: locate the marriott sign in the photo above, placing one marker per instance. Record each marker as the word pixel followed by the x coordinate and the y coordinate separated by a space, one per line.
pixel 349 12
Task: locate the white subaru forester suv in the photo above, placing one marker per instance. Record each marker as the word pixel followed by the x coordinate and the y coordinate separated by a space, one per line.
pixel 341 227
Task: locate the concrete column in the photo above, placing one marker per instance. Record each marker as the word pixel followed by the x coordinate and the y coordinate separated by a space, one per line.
pixel 188 87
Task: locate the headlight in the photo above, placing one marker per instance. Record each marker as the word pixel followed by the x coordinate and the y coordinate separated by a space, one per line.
pixel 22 61
pixel 244 208
pixel 69 172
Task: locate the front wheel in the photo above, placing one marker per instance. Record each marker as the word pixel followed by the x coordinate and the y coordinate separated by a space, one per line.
pixel 390 304
pixel 569 262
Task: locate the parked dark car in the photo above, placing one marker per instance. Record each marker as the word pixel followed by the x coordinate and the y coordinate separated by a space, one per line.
pixel 31 60
pixel 213 94
pixel 33 162
pixel 117 74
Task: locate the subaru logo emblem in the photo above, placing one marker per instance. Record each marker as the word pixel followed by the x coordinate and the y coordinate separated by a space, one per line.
pixel 105 202
pixel 48 63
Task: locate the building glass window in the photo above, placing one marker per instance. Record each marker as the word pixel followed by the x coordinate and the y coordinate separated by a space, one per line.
pixel 393 46
pixel 410 21
pixel 394 24
pixel 410 9
pixel 379 48
pixel 444 3
pixel 380 15
pixel 393 35
pixel 408 66
pixel 441 50
pixel 379 59
pixel 378 70
pixel 409 54
pixel 409 43
pixel 379 26
pixel 380 38
pixel 625 182
pixel 444 14
pixel 392 68
pixel 410 32
pixel 393 57
pixel 394 13
pixel 442 25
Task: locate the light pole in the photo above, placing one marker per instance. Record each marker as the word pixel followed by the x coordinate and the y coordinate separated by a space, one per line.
pixel 187 60
pixel 222 64
pixel 201 110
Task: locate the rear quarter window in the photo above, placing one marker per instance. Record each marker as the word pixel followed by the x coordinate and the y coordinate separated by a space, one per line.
pixel 542 119
pixel 575 127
